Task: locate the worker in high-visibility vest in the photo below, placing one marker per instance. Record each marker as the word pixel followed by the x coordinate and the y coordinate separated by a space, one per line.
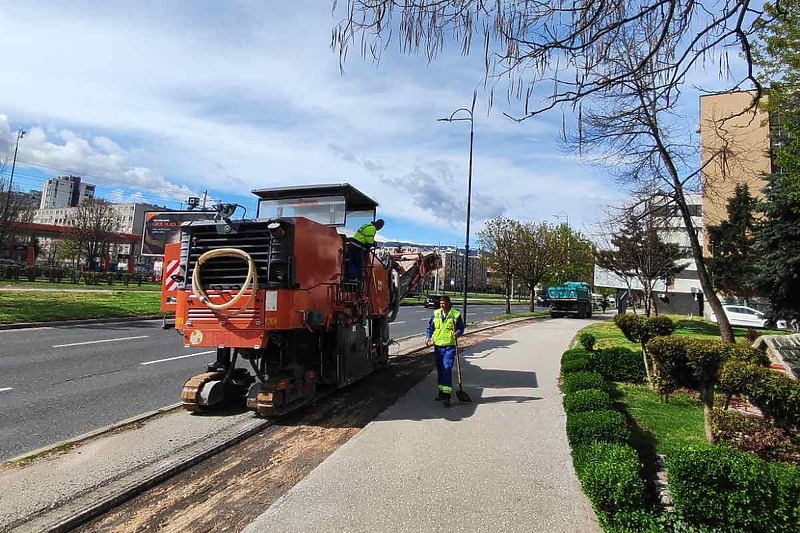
pixel 444 327
pixel 365 236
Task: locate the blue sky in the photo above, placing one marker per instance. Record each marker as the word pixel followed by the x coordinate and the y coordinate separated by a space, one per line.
pixel 156 101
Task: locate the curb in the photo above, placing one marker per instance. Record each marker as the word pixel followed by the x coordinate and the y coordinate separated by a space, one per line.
pixel 28 325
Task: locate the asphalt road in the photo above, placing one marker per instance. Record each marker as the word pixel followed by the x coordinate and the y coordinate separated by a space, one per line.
pixel 59 382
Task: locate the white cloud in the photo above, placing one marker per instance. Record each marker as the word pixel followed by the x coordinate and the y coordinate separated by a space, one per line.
pixel 177 98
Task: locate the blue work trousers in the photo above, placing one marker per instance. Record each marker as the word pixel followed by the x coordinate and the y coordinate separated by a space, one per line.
pixel 445 356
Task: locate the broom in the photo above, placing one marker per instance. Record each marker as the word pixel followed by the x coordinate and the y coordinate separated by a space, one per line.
pixel 461 394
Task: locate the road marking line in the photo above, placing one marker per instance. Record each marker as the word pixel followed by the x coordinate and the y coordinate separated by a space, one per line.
pixel 97 342
pixel 401 322
pixel 6 389
pixel 177 357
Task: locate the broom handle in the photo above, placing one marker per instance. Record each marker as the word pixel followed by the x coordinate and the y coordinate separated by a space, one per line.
pixel 458 367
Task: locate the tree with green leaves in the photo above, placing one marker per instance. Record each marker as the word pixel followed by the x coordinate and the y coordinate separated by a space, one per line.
pixel 540 247
pixel 778 234
pixel 733 260
pixel 638 252
pixel 499 239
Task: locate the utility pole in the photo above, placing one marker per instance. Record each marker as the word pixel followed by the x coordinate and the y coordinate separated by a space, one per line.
pixel 6 223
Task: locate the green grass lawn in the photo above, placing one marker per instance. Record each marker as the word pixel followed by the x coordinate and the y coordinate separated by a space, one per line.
pixel 30 306
pixel 668 426
pixel 608 334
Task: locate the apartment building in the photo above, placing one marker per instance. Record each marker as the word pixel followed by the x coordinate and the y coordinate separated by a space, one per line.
pixel 65 191
pixel 735 149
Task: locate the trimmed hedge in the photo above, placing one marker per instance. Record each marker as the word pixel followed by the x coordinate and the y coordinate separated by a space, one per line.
pixel 596 426
pixel 619 364
pixel 638 328
pixel 576 381
pixel 575 353
pixel 775 394
pixel 609 475
pixel 587 340
pixel 576 364
pixel 587 400
pixel 729 490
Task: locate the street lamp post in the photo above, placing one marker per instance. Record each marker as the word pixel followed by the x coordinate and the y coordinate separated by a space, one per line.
pixel 469 190
pixel 557 216
pixel 5 221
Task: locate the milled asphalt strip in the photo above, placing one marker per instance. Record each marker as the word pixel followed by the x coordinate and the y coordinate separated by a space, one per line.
pixel 122 464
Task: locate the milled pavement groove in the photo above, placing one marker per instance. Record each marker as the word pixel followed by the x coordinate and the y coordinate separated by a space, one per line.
pixel 58 491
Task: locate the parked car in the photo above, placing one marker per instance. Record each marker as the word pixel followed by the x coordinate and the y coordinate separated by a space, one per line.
pixel 432 301
pixel 740 315
pixel 10 263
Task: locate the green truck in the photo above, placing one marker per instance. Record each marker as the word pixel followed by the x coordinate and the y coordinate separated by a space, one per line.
pixel 572 298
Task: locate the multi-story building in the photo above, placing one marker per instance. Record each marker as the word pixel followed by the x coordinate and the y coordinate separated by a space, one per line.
pixel 65 191
pixel 735 147
pixel 453 270
pixel 131 221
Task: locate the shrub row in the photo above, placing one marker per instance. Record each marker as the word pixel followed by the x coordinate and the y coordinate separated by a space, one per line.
pixel 587 400
pixel 607 466
pixel 613 364
pixel 728 490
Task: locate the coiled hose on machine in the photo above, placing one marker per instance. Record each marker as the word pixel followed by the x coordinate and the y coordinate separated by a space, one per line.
pixel 250 281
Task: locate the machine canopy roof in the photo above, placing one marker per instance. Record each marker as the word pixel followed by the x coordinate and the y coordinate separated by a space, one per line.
pixel 356 200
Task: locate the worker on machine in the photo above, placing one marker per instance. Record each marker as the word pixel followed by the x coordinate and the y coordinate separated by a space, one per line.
pixel 444 327
pixel 365 237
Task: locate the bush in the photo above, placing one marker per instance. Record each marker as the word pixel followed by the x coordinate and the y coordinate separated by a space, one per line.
pixel 576 364
pixel 609 474
pixel 587 340
pixel 656 326
pixel 743 352
pixel 669 355
pixel 576 381
pixel 575 353
pixel 630 326
pixel 776 394
pixel 619 364
pixel 587 400
pixel 733 491
pixel 735 377
pixel 754 434
pixel 596 426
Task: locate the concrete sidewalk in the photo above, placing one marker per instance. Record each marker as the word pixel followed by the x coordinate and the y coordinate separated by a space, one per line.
pixel 501 463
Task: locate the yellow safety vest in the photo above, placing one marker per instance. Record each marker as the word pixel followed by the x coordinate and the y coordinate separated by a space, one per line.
pixel 366 234
pixel 444 328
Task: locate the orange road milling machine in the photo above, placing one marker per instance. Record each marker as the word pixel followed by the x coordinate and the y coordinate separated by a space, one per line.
pixel 277 292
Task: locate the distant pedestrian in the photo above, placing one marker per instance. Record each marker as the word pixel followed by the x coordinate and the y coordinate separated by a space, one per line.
pixel 604 304
pixel 444 327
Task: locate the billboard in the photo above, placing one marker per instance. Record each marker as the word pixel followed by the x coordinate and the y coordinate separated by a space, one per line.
pixel 164 227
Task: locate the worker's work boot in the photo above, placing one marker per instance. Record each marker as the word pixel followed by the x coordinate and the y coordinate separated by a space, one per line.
pixel 446 401
pixel 441 397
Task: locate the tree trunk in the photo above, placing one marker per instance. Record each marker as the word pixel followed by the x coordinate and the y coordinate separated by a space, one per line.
pixel 707 397
pixel 508 295
pixel 725 329
pixel 647 368
pixel 533 298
